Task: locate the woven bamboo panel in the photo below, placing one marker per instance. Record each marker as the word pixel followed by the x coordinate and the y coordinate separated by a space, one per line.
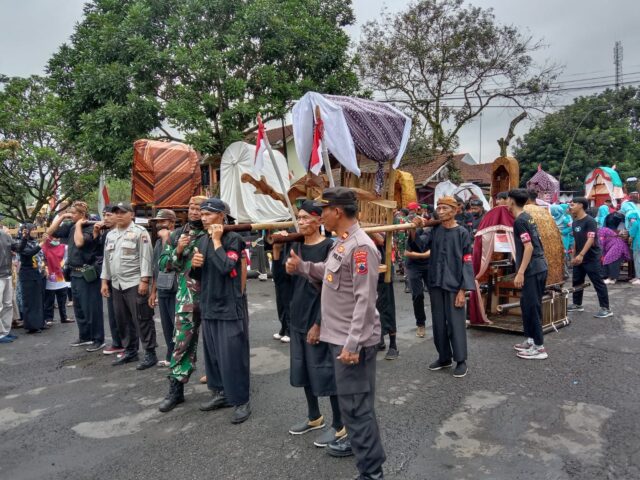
pixel 369 214
pixel 551 241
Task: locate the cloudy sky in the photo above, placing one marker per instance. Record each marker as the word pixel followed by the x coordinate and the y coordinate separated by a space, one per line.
pixel 580 35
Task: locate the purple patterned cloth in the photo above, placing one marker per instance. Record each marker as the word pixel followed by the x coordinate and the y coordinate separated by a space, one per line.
pixel 376 128
pixel 614 248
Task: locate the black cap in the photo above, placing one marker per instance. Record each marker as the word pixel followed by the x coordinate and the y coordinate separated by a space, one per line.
pixel 165 214
pixel 125 207
pixel 212 205
pixel 309 207
pixel 336 197
pixel 476 202
pixel 107 208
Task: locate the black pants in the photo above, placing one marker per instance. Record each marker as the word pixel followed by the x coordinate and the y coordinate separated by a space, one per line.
pixel 135 320
pixel 417 282
pixel 51 297
pixel 167 306
pixel 87 307
pixel 449 326
pixel 531 306
pixel 386 306
pixel 32 299
pixel 612 271
pixel 282 282
pixel 116 342
pixel 226 358
pixel 592 270
pixel 356 396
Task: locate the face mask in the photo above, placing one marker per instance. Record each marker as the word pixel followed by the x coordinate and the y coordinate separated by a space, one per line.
pixel 196 224
pixel 54 243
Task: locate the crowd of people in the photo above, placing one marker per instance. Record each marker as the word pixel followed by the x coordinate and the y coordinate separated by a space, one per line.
pixel 334 306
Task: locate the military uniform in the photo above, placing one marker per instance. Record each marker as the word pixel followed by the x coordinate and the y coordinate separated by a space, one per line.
pixel 187 312
pixel 127 259
pixel 350 320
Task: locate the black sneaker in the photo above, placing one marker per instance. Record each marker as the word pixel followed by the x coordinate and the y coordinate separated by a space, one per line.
pixel 241 413
pixel 575 308
pixel 81 343
pixel 392 354
pixel 460 370
pixel 95 346
pixel 125 359
pixel 438 365
pixel 340 447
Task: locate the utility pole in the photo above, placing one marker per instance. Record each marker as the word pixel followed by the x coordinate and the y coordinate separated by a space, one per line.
pixel 617 61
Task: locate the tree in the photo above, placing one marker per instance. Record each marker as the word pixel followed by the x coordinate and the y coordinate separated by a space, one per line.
pixel 203 67
pixel 445 63
pixel 37 165
pixel 601 129
pixel 119 191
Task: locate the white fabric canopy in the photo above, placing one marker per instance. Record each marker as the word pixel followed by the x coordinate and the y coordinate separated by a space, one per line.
pixel 336 131
pixel 247 206
pixel 465 191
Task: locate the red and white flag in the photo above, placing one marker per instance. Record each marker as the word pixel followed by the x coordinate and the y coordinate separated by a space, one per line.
pixel 261 147
pixel 103 195
pixel 315 165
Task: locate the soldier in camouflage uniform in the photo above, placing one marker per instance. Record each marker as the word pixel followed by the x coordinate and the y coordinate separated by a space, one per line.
pixel 177 257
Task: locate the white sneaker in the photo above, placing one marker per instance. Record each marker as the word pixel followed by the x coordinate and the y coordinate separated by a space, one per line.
pixel 262 277
pixel 277 336
pixel 635 281
pixel 285 339
pixel 520 347
pixel 534 353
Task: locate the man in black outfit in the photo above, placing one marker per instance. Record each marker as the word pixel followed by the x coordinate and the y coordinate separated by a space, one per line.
pixel 221 267
pixel 586 261
pixel 81 257
pixel 531 276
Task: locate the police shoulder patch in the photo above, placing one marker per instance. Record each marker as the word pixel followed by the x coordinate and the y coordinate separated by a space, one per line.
pixel 362 266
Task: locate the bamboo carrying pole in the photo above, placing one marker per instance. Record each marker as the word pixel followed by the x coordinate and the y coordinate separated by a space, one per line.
pixel 325 152
pixel 248 227
pixel 391 182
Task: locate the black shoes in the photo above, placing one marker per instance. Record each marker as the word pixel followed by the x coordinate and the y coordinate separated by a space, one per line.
pixel 375 475
pixel 174 397
pixel 241 413
pixel 148 361
pixel 438 365
pixel 125 359
pixel 392 354
pixel 381 347
pixel 340 447
pixel 460 370
pixel 95 346
pixel 217 401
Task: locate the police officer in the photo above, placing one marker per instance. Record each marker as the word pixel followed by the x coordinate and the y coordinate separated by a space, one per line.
pixel 220 266
pixel 351 325
pixel 128 268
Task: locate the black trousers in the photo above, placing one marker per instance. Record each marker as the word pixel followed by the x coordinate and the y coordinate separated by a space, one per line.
pixel 51 297
pixel 386 306
pixel 356 386
pixel 612 271
pixel 32 299
pixel 135 320
pixel 282 282
pixel 531 306
pixel 449 326
pixel 167 307
pixel 226 358
pixel 116 342
pixel 87 307
pixel 417 283
pixel 592 270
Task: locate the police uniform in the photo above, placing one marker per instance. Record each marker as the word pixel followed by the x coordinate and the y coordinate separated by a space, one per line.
pixel 128 258
pixel 350 320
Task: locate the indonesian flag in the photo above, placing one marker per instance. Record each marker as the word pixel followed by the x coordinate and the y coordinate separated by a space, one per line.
pixel 261 146
pixel 103 195
pixel 316 150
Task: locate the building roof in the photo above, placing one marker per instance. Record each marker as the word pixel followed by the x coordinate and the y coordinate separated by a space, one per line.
pixel 274 135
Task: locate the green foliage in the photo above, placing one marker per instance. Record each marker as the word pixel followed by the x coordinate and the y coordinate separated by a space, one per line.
pixel 35 158
pixel 203 67
pixel 444 62
pixel 119 191
pixel 598 130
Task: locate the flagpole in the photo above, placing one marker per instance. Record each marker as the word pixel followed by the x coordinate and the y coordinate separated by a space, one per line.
pixel 325 152
pixel 280 179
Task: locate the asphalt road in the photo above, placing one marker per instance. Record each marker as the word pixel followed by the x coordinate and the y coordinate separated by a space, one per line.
pixel 68 414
